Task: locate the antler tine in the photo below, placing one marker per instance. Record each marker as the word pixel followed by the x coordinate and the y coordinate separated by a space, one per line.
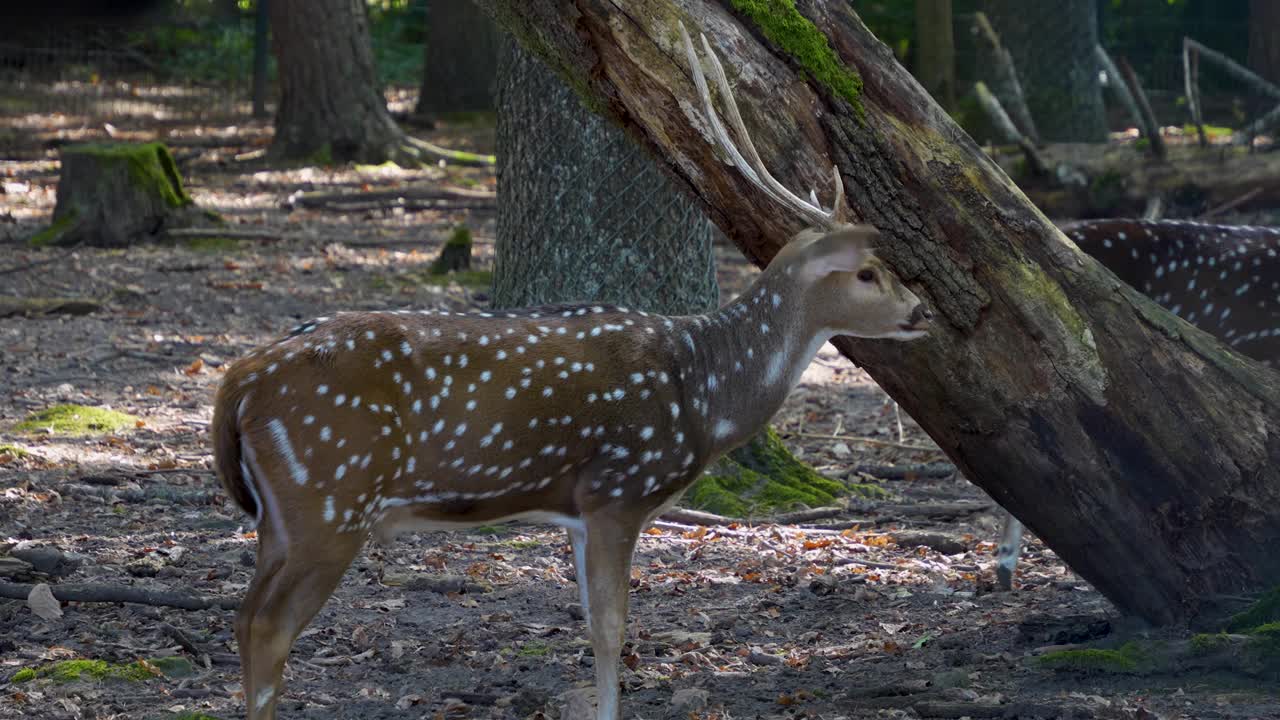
pixel 718 130
pixel 754 167
pixel 812 212
pixel 837 205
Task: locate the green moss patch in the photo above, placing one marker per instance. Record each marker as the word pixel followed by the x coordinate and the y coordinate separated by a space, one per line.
pixel 1212 132
pixel 68 671
pixel 14 451
pixel 1265 610
pixel 1129 659
pixel 59 227
pixel 792 32
pixel 760 477
pixel 76 420
pixel 534 649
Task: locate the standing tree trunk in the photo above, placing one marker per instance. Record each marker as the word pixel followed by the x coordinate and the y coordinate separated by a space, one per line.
pixel 1138 448
pixel 460 59
pixel 936 51
pixel 1264 38
pixel 331 108
pixel 1052 46
pixel 587 215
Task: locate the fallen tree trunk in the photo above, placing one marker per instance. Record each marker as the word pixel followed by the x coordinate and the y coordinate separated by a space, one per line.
pixel 1135 446
pixel 1121 178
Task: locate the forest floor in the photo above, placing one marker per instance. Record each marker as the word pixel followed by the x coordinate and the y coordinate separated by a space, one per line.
pixel 884 608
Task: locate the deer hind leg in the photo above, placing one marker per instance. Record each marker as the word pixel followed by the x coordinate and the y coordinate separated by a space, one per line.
pixel 578 541
pixel 291 584
pixel 610 541
pixel 1009 551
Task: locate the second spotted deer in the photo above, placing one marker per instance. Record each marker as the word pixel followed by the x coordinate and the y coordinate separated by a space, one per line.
pixel 594 418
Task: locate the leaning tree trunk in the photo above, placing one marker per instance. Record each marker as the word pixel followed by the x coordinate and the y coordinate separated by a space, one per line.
pixel 1143 452
pixel 331 107
pixel 587 215
pixel 460 59
pixel 1052 45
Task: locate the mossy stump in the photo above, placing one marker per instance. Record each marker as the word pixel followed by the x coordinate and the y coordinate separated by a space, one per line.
pixel 118 194
pixel 761 476
pixel 455 256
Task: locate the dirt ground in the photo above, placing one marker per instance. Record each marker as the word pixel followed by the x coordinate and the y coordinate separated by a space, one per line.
pixel 831 619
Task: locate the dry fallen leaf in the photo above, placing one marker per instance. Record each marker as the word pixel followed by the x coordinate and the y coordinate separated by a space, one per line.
pixel 195 367
pixel 43 603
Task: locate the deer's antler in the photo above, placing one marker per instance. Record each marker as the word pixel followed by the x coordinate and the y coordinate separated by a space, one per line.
pixel 751 165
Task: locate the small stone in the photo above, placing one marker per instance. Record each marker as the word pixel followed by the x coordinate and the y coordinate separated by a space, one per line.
pixel 44 559
pixel 822 585
pixel 760 657
pixel 143 568
pixel 689 699
pixel 578 704
pixel 841 450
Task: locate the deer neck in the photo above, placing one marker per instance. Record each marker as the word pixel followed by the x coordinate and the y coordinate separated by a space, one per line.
pixel 746 357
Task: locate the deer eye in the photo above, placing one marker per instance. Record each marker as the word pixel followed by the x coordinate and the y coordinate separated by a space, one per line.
pixel 867 275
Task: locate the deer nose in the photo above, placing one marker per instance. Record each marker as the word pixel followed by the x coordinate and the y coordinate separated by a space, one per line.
pixel 921 315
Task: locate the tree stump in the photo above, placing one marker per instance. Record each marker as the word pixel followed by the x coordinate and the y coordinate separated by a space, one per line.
pixel 118 194
pixel 455 256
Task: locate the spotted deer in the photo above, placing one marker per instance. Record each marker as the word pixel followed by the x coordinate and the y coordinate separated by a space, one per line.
pixel 1224 279
pixel 594 418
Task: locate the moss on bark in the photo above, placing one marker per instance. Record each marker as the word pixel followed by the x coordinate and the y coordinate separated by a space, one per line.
pixel 797 36
pixel 1265 610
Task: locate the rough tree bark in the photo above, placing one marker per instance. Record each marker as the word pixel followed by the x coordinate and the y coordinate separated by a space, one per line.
pixel 460 59
pixel 1135 446
pixel 331 107
pixel 1052 46
pixel 585 214
pixel 936 51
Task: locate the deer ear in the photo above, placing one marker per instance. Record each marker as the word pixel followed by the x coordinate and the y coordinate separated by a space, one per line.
pixel 843 250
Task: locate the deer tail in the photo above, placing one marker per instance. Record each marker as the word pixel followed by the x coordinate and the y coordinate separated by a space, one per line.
pixel 228 452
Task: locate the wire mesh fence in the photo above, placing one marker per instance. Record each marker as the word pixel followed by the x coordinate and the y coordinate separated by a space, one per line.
pixel 167 71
